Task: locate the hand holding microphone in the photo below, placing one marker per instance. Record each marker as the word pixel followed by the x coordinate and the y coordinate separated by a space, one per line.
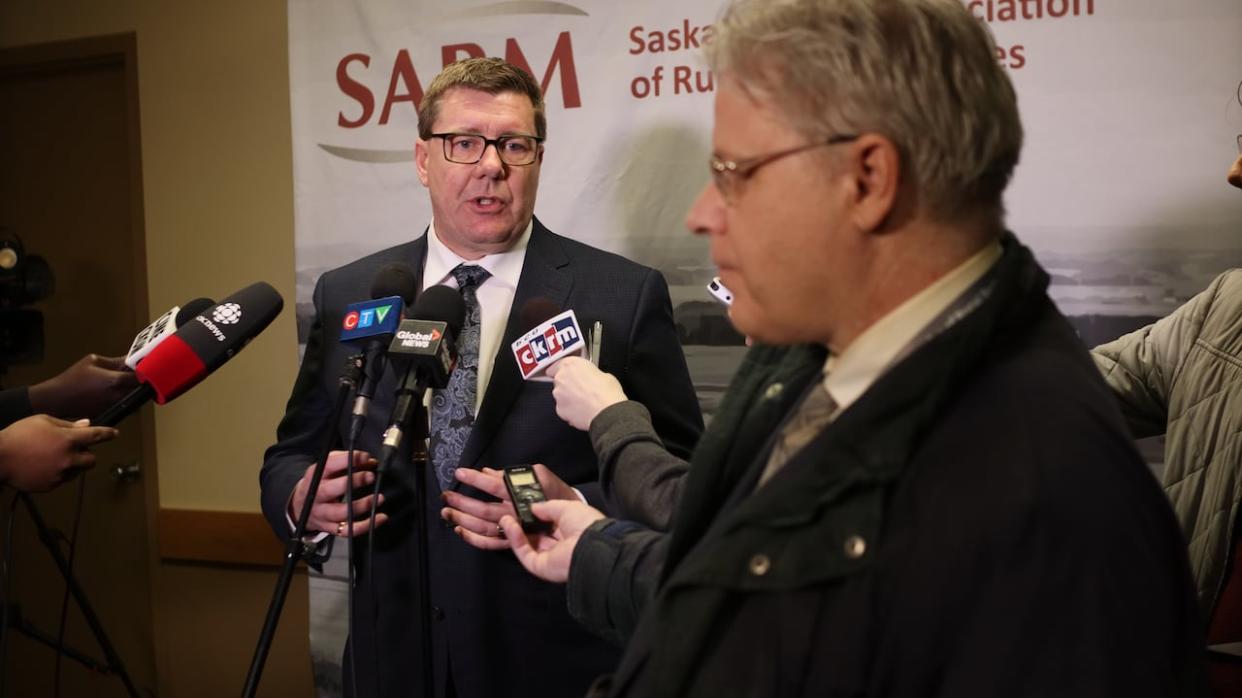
pixel 201 345
pixel 84 389
pixel 582 391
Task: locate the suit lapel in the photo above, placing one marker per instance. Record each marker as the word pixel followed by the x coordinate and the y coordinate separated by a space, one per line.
pixel 545 274
pixel 412 253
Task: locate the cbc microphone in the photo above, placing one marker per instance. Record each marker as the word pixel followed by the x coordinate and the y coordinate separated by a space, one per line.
pixel 424 350
pixel 548 342
pixel 371 325
pixel 201 346
pixel 163 328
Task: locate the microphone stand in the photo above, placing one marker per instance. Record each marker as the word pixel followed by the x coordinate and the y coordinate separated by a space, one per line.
pixel 411 388
pixel 296 548
pixel 114 663
pixel 420 458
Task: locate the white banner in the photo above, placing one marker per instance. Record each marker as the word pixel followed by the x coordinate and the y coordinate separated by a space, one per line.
pixel 1131 109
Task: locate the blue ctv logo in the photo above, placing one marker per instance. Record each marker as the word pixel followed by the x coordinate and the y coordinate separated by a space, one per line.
pixel 369 318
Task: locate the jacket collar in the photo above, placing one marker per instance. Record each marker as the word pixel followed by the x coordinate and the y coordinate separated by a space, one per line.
pixel 870 442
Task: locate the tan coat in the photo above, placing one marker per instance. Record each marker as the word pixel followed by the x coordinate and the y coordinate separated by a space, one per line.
pixel 1182 376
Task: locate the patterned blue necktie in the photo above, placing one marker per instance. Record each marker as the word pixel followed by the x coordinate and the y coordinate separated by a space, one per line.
pixel 452 409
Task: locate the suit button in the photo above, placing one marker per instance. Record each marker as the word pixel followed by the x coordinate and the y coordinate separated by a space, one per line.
pixel 774 391
pixel 855 547
pixel 759 565
pixel 437 613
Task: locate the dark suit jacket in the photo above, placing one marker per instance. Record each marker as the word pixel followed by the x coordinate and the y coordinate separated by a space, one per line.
pixel 503 632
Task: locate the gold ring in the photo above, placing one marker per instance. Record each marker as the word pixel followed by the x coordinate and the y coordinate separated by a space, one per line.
pixel 340 528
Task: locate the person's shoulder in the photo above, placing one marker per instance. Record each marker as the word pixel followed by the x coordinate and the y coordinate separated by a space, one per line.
pixel 366 266
pixel 592 257
pixel 1225 290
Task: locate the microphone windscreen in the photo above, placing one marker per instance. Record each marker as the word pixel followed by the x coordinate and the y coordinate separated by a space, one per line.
pixel 441 304
pixel 208 340
pixel 537 311
pixel 395 279
pixel 194 307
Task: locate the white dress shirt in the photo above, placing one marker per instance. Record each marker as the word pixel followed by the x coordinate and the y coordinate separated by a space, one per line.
pixel 495 294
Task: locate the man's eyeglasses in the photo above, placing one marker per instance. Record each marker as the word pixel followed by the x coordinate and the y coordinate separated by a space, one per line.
pixel 1240 144
pixel 468 148
pixel 728 175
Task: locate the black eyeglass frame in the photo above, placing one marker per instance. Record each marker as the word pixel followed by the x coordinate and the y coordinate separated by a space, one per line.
pixel 729 174
pixel 493 142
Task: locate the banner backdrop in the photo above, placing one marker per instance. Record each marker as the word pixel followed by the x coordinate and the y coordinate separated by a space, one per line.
pixel 1131 109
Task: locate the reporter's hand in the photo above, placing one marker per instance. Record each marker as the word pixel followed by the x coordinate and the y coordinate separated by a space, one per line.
pixel 328 511
pixel 85 389
pixel 582 391
pixel 40 452
pixel 478 522
pixel 548 555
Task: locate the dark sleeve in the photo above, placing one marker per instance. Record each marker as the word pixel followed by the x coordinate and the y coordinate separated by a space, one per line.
pixel 301 431
pixel 14 405
pixel 656 375
pixel 639 476
pixel 613 574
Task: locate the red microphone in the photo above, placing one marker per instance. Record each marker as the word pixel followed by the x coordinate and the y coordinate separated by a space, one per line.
pixel 199 347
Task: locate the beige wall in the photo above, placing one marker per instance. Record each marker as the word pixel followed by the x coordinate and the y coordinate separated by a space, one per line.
pixel 218 210
pixel 213 80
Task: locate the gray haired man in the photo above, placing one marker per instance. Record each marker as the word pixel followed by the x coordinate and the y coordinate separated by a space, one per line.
pixel 917 484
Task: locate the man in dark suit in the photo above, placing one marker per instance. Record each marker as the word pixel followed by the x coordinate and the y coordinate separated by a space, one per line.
pixel 481 128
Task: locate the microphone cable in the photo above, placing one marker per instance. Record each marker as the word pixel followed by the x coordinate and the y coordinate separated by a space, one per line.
pixel 64 601
pixel 5 572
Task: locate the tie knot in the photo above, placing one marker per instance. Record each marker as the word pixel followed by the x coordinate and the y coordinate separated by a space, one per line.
pixel 469 276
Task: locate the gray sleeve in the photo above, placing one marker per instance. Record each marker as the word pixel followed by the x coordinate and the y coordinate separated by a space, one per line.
pixel 1142 367
pixel 640 478
pixel 613 574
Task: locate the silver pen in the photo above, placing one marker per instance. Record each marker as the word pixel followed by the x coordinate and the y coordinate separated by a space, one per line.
pixel 597 336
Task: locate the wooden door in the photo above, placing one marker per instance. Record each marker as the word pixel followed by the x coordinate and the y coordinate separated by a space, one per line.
pixel 70 187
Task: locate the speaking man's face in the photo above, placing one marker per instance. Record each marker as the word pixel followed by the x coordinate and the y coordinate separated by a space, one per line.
pixel 480 208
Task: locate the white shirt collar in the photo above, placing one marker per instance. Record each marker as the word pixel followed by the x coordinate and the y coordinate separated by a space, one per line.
pixel 505 267
pixel 850 374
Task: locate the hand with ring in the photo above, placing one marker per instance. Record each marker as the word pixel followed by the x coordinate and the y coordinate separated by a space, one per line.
pixel 477 521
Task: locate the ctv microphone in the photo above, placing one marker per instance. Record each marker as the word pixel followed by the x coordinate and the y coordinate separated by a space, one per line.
pixel 424 347
pixel 372 324
pixel 550 341
pixel 163 328
pixel 205 342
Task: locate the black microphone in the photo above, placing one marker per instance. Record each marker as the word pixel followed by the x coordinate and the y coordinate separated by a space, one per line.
pixel 202 345
pixel 424 351
pixel 392 290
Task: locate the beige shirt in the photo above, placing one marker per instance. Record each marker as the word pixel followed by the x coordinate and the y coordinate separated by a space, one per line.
pixel 850 374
